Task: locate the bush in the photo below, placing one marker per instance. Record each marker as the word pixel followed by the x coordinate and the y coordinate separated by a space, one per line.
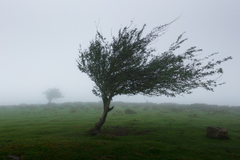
pixel 73 109
pixel 118 113
pixel 146 108
pixel 130 111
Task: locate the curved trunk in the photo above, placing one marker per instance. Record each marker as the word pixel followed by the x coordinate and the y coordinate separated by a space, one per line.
pixel 96 129
pixel 49 101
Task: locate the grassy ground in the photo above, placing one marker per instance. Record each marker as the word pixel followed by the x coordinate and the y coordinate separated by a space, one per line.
pixel 132 131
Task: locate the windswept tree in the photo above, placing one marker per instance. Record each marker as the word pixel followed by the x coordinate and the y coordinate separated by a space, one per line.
pixel 128 66
pixel 52 93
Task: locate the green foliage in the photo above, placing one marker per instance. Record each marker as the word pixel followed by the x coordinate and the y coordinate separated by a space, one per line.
pixel 127 65
pixel 53 93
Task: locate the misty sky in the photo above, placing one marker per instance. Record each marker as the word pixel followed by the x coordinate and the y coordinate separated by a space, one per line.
pixel 39 43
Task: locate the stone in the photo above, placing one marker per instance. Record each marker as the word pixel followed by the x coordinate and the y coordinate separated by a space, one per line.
pixel 217 132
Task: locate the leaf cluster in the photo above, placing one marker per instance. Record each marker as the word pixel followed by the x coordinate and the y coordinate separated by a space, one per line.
pixel 129 66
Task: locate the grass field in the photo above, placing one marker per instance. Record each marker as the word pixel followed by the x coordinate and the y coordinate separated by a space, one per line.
pixel 132 131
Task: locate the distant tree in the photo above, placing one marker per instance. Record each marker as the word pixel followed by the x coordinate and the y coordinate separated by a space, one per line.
pixel 128 66
pixel 53 93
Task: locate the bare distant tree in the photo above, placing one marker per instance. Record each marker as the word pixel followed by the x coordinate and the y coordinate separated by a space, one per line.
pixel 52 93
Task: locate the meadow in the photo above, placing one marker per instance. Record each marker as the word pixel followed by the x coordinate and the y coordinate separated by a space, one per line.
pixel 131 131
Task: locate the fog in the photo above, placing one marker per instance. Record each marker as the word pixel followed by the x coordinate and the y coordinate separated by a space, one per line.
pixel 39 43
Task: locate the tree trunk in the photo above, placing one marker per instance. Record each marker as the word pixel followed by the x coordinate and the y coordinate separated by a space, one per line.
pixel 49 101
pixel 96 129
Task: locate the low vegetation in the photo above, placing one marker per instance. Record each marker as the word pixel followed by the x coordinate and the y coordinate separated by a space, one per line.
pixel 133 131
pixel 130 111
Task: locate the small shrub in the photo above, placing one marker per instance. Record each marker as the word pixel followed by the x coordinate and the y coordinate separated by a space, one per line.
pixel 130 111
pixel 146 108
pixel 118 113
pixel 73 110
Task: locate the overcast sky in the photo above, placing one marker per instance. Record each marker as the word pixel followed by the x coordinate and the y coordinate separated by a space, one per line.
pixel 39 43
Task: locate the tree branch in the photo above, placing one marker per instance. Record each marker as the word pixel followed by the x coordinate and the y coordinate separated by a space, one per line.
pixel 109 109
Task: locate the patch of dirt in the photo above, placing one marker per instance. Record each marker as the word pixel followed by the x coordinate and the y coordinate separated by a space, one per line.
pixel 117 131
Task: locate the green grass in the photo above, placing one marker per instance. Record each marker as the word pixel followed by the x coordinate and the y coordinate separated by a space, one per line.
pixel 164 131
